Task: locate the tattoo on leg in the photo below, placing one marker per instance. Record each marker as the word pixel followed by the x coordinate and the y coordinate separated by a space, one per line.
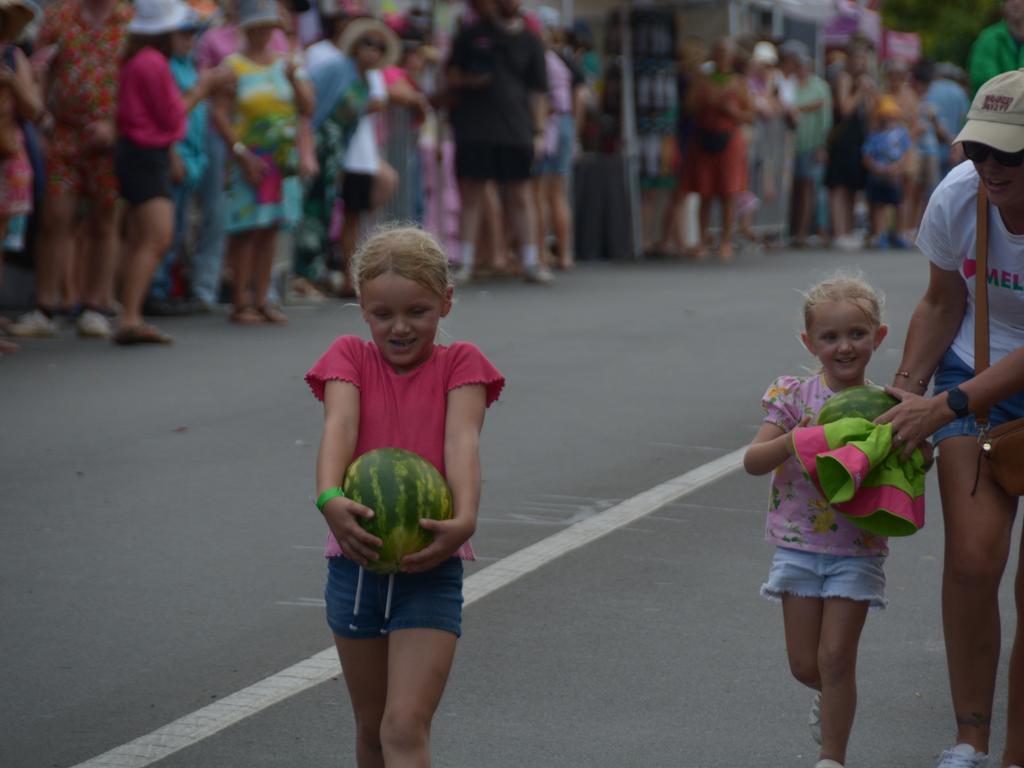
pixel 976 720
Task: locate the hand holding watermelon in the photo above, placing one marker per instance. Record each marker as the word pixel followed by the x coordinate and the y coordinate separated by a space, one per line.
pixel 343 516
pixel 448 535
pixel 913 419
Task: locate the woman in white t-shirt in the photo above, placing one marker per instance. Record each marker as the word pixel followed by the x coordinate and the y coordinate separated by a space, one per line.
pixel 940 341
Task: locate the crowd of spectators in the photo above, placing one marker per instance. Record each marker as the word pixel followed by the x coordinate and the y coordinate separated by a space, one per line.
pixel 153 153
pixel 865 142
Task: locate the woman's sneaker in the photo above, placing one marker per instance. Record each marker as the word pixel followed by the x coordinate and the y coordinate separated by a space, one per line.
pixel 962 756
pixel 814 718
pixel 33 325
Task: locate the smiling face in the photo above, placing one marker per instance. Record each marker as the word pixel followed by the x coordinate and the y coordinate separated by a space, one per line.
pixel 1005 185
pixel 403 316
pixel 843 337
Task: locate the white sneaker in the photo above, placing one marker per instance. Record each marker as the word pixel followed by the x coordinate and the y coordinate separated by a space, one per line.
pixel 849 242
pixel 962 756
pixel 93 325
pixel 33 324
pixel 537 274
pixel 828 764
pixel 814 719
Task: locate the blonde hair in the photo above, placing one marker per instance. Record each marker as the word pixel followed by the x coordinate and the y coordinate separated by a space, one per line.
pixel 405 251
pixel 844 287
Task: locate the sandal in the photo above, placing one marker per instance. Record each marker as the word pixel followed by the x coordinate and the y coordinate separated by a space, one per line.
pixel 140 334
pixel 246 316
pixel 272 314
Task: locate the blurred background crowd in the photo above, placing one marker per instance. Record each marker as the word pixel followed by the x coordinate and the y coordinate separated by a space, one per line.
pixel 525 138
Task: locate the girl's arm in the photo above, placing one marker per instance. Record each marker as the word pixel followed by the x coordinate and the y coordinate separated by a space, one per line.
pixel 341 430
pixel 465 419
pixel 771 446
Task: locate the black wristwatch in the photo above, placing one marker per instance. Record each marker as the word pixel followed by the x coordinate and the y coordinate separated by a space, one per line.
pixel 956 399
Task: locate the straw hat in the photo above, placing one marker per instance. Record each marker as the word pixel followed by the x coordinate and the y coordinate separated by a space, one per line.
pixel 15 15
pixel 996 117
pixel 360 28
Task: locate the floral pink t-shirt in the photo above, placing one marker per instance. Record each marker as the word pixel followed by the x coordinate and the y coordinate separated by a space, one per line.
pixel 798 515
pixel 403 410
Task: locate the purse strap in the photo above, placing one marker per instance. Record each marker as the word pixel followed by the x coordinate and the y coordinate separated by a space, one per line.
pixel 981 324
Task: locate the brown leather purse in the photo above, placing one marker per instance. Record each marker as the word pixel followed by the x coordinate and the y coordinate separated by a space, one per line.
pixel 1002 446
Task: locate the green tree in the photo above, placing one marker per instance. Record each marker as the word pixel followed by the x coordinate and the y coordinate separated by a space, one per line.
pixel 947 27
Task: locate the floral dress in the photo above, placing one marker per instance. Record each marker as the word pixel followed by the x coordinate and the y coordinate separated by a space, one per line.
pixel 15 168
pixel 266 121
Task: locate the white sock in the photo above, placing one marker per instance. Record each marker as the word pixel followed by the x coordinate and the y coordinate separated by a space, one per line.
pixel 467 252
pixel 530 256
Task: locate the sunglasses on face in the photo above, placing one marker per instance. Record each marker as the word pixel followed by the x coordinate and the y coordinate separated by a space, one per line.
pixel 979 153
pixel 372 43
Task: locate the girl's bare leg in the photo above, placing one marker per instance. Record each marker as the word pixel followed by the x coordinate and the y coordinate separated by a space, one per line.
pixel 364 664
pixel 841 625
pixel 151 232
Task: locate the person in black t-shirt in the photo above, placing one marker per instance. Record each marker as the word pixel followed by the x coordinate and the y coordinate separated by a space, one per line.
pixel 498 80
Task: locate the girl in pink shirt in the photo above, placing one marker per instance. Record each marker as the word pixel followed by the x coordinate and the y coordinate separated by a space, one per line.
pixel 396 639
pixel 151 116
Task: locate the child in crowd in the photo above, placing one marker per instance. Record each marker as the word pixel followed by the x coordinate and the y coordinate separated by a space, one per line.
pixel 400 389
pixel 151 117
pixel 188 164
pixel 18 100
pixel 886 151
pixel 826 571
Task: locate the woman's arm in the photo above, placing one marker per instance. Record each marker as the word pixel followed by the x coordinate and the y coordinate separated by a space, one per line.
pixel 933 325
pixel 28 101
pixel 338 444
pixel 305 98
pixel 465 419
pixel 771 446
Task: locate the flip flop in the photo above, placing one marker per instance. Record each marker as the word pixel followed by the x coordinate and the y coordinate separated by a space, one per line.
pixel 246 316
pixel 272 314
pixel 140 334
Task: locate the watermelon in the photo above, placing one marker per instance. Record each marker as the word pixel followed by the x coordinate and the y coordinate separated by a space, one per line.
pixel 400 487
pixel 868 402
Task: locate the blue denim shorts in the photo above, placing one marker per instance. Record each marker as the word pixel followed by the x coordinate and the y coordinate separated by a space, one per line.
pixel 953 371
pixel 810 574
pixel 429 600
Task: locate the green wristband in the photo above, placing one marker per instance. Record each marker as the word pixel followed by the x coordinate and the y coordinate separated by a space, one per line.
pixel 326 496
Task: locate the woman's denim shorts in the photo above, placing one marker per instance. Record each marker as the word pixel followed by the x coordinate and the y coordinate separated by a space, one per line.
pixel 810 574
pixel 952 372
pixel 429 600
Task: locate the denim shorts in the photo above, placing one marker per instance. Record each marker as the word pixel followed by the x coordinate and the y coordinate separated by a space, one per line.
pixel 810 574
pixel 953 371
pixel 429 600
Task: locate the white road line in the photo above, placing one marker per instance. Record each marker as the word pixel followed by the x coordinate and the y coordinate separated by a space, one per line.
pixel 322 666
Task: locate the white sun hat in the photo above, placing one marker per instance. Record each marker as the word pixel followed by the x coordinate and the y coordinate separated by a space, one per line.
pixel 157 17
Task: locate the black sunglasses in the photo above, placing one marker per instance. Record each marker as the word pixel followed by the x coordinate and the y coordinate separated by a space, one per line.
pixel 369 42
pixel 978 153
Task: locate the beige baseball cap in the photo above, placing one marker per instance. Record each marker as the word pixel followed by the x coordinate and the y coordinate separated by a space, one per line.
pixel 996 117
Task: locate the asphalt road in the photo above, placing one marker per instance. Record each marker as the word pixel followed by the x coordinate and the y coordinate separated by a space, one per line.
pixel 159 549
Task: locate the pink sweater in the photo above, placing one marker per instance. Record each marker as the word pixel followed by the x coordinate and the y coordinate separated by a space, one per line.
pixel 150 109
pixel 403 410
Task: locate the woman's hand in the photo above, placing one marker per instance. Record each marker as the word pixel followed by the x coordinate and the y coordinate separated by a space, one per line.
pixel 449 535
pixel 342 516
pixel 914 419
pixel 253 168
pixel 177 167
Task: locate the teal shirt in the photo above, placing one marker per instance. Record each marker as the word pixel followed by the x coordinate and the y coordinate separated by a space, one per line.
pixel 192 148
pixel 812 127
pixel 994 52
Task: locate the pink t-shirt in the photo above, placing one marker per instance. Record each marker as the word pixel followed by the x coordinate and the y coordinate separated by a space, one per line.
pixel 798 516
pixel 150 109
pixel 220 42
pixel 403 410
